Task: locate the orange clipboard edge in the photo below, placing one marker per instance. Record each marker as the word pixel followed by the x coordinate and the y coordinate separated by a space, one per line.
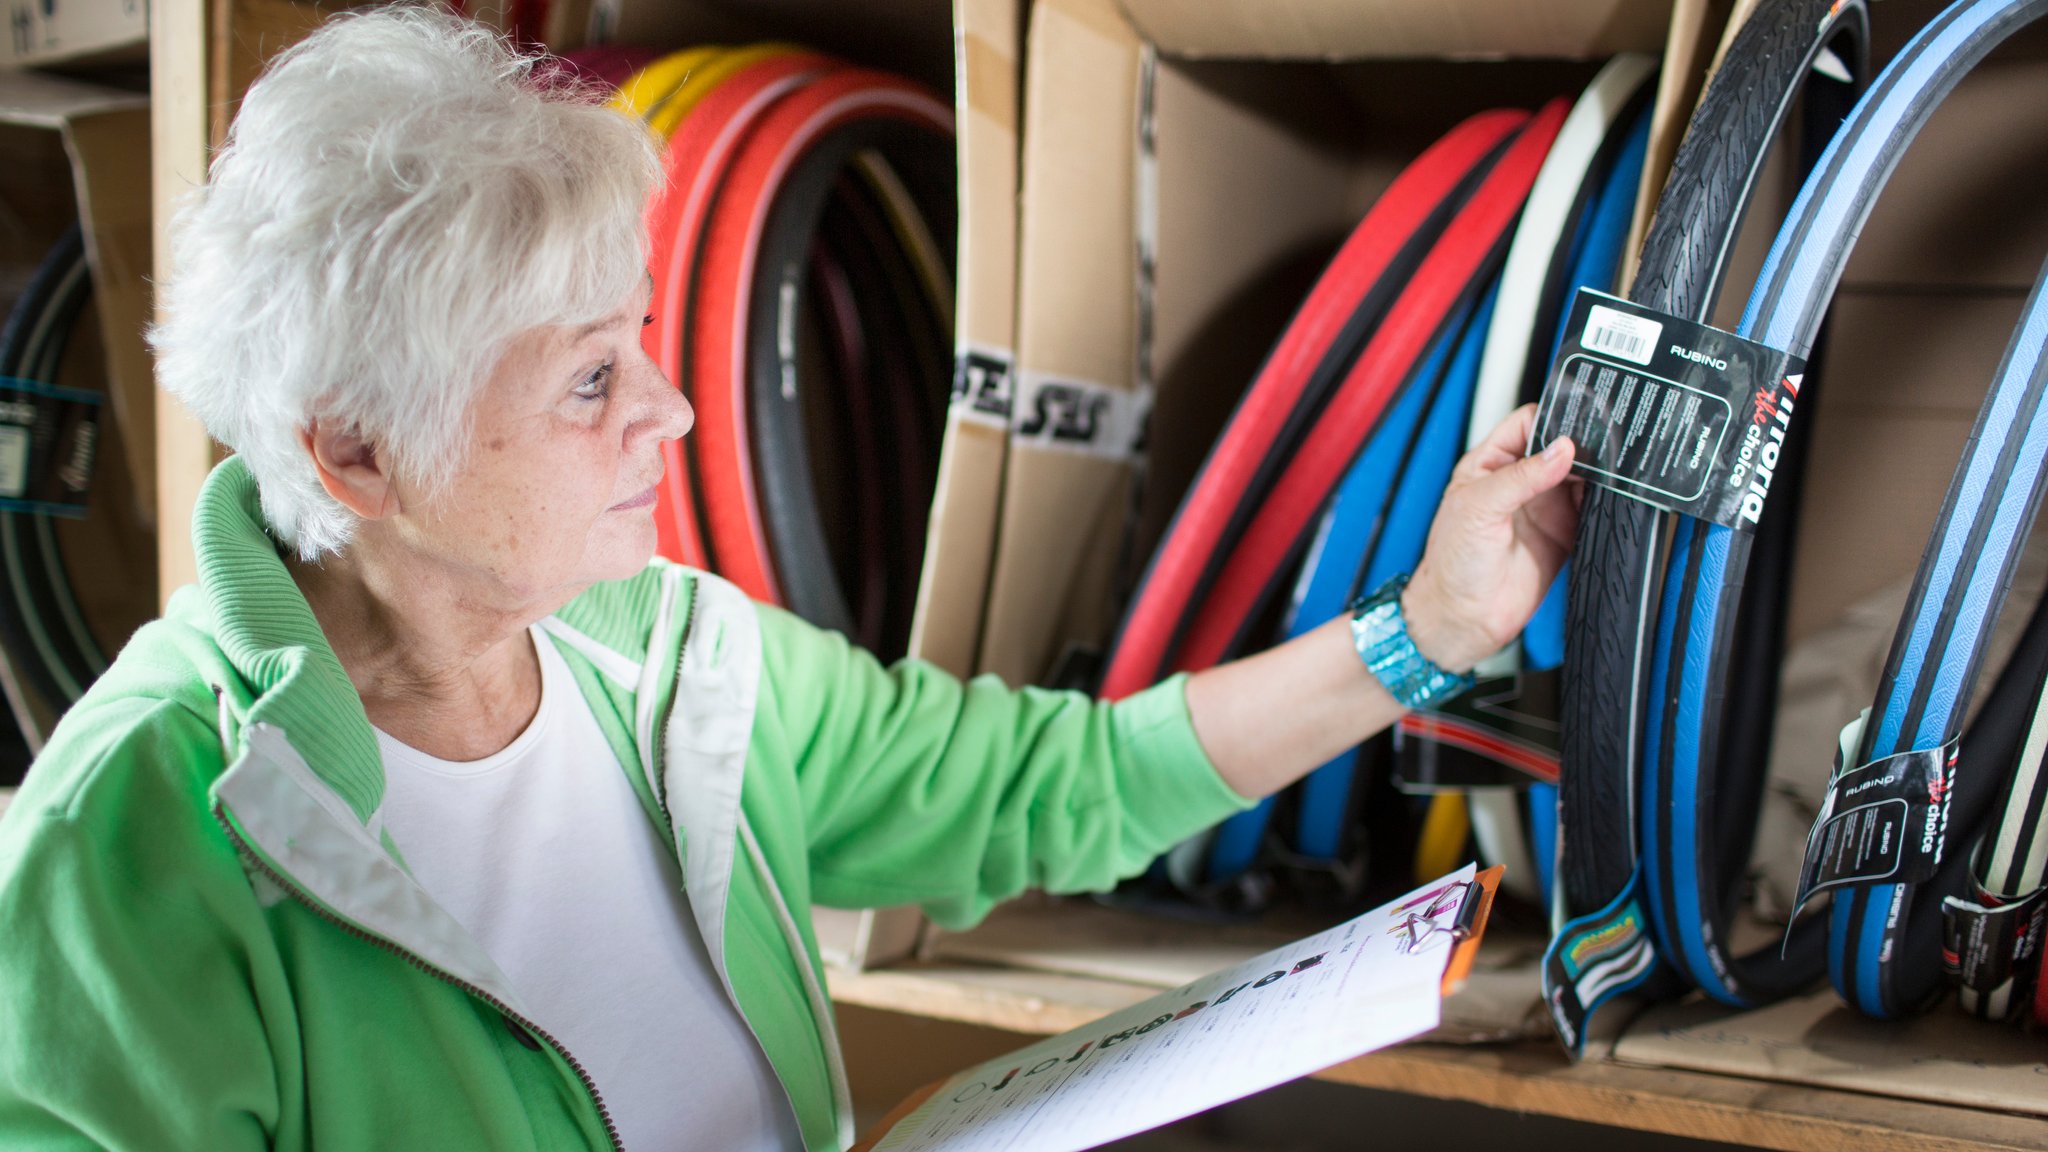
pixel 874 1135
pixel 1471 926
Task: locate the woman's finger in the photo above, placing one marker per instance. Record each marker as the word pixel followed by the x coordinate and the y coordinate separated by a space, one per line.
pixel 1506 490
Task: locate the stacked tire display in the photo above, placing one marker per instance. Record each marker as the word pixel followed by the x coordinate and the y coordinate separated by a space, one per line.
pixel 801 251
pixel 1633 826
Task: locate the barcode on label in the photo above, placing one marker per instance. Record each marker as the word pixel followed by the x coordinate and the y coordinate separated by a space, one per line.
pixel 1619 334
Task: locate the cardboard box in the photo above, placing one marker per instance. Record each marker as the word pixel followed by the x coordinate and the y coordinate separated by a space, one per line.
pixel 1175 209
pixel 71 31
pixel 80 153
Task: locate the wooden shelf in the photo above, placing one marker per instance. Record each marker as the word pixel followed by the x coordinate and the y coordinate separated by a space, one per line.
pixel 1525 1077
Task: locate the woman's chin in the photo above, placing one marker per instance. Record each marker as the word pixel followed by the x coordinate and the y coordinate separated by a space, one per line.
pixel 628 545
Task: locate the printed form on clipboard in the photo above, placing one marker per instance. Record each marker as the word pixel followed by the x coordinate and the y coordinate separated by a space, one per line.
pixel 1364 985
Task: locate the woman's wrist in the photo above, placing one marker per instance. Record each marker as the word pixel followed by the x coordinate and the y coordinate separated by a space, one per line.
pixel 1444 636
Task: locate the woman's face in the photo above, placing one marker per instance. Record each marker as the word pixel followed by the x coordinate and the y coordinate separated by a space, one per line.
pixel 558 490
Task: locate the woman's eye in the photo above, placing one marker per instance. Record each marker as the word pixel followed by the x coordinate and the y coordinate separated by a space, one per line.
pixel 596 385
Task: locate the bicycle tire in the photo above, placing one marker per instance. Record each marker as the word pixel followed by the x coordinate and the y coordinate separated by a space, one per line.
pixel 1613 585
pixel 1469 254
pixel 1292 387
pixel 699 153
pixel 724 467
pixel 1882 940
pixel 2007 871
pixel 42 624
pixel 910 343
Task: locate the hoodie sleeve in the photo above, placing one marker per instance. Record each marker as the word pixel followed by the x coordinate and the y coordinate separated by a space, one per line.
pixel 920 789
pixel 131 1020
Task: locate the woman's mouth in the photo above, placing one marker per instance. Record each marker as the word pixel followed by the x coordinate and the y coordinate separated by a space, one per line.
pixel 643 500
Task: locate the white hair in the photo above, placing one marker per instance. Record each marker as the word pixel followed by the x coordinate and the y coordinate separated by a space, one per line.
pixel 398 199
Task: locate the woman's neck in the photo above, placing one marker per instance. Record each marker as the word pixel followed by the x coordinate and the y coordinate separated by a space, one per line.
pixel 439 667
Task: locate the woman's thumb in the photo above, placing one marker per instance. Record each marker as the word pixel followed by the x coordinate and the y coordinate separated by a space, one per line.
pixel 1504 491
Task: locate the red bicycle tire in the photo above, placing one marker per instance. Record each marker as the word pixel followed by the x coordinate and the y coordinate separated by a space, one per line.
pixel 725 275
pixel 1448 275
pixel 695 164
pixel 1173 582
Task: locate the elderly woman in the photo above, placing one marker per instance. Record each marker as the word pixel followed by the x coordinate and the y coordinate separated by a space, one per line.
pixel 436 816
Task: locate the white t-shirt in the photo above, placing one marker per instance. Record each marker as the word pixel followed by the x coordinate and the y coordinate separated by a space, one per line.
pixel 544 853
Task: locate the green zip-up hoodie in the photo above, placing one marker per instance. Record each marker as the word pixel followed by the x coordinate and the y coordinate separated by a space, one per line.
pixel 208 941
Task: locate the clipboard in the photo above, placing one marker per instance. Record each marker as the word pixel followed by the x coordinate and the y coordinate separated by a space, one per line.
pixel 1398 943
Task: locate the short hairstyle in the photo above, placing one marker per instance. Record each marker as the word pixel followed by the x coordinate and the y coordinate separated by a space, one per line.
pixel 399 198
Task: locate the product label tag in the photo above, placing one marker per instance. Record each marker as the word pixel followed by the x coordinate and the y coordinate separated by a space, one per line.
pixel 1079 416
pixel 1883 823
pixel 981 385
pixel 48 436
pixel 1986 944
pixel 1593 959
pixel 1676 414
pixel 1501 734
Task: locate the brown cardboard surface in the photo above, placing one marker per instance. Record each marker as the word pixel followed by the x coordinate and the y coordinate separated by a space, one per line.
pixel 1903 376
pixel 960 546
pixel 1075 321
pixel 57 31
pixel 109 152
pixel 1339 29
pixel 1942 1057
pixel 1964 207
pixel 1688 47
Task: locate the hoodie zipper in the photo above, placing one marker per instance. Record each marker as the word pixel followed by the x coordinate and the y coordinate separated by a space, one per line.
pixel 611 1128
pixel 661 799
pixel 660 733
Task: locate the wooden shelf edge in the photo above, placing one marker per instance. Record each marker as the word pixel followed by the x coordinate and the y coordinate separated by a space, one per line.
pixel 1524 1078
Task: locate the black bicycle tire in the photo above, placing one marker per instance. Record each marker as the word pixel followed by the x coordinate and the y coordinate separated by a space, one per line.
pixel 47 306
pixel 1613 576
pixel 1681 272
pixel 784 474
pixel 913 365
pixel 75 643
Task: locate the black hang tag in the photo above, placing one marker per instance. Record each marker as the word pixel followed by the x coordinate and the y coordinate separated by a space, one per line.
pixel 1883 823
pixel 48 439
pixel 1986 944
pixel 1501 734
pixel 1676 414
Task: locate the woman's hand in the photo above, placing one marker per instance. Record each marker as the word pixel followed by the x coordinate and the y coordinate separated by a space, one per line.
pixel 1502 532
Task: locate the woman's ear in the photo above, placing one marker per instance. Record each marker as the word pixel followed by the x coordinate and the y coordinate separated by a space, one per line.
pixel 351 469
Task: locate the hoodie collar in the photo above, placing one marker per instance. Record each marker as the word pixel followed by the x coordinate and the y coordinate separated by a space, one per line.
pixel 267 631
